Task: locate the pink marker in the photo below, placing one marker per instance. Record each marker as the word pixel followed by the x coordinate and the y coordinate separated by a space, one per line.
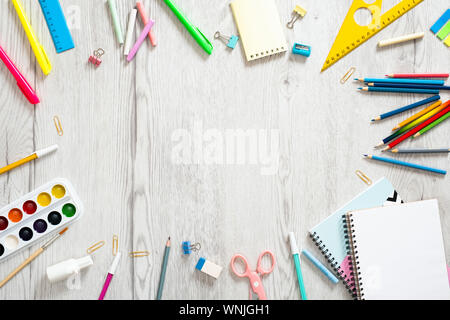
pixel 23 84
pixel 144 18
pixel 140 40
pixel 110 275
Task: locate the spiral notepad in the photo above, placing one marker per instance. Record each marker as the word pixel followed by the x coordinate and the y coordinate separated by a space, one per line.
pixel 329 234
pixel 399 252
pixel 259 27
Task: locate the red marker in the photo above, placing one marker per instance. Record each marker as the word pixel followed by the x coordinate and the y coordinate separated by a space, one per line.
pixel 23 84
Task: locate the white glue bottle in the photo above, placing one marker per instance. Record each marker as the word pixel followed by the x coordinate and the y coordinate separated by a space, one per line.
pixel 65 269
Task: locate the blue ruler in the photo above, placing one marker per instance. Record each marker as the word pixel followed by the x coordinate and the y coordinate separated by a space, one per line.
pixel 56 22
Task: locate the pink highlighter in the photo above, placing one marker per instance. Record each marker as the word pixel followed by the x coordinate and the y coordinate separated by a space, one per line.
pixel 23 84
pixel 110 275
pixel 139 41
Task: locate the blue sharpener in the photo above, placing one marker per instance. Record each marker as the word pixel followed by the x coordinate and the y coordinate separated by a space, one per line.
pixel 301 49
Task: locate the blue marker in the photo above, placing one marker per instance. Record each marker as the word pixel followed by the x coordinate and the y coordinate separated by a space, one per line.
pixel 320 266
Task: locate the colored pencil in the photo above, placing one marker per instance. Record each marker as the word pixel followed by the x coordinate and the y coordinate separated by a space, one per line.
pixel 163 270
pixel 431 126
pixel 405 164
pixel 405 81
pixel 410 125
pixel 404 85
pixel 406 108
pixel 418 128
pixel 417 75
pixel 418 115
pixel 37 154
pixel 33 256
pixel 399 90
pixel 420 150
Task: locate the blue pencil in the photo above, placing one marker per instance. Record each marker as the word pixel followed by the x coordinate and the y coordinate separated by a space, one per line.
pixel 401 90
pixel 404 85
pixel 405 81
pixel 320 266
pixel 406 108
pixel 405 164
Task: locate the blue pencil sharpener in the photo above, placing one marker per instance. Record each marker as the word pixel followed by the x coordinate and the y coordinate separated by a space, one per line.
pixel 301 49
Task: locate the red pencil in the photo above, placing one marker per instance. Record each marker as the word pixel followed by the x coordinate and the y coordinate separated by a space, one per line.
pixel 419 127
pixel 417 75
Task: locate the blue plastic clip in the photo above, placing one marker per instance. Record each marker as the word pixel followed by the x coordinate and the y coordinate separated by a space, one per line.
pixel 188 247
pixel 231 41
pixel 301 49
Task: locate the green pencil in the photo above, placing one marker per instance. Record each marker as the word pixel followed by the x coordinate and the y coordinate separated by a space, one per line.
pixel 163 270
pixel 431 125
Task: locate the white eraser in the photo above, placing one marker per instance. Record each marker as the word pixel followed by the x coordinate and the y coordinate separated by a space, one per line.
pixel 209 268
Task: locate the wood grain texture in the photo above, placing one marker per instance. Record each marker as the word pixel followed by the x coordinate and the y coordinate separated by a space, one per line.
pixel 119 120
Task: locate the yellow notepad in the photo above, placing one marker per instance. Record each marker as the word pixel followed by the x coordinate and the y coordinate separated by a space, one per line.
pixel 259 27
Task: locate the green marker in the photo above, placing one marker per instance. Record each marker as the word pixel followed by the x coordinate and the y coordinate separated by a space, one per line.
pixel 115 20
pixel 193 30
pixel 295 255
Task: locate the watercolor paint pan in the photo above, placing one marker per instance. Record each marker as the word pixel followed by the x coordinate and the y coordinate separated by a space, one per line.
pixel 37 215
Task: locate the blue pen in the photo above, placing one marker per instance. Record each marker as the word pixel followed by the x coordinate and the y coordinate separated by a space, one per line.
pixel 406 164
pixel 320 266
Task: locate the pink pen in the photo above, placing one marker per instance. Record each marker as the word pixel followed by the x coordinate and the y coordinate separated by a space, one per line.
pixel 140 40
pixel 23 84
pixel 109 277
pixel 144 18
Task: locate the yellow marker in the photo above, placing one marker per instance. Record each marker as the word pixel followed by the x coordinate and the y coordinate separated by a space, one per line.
pixel 38 50
pixel 37 154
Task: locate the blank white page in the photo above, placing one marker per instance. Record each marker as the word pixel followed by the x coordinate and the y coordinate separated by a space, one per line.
pixel 400 252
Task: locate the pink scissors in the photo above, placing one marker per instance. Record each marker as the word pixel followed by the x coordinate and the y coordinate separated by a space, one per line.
pixel 254 276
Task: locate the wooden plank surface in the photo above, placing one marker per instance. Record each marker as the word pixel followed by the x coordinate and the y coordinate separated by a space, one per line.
pixel 133 131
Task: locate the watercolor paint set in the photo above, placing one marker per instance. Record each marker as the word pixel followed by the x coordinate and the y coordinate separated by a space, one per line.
pixel 37 215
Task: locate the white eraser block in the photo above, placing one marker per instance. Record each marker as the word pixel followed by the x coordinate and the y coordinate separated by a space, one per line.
pixel 209 268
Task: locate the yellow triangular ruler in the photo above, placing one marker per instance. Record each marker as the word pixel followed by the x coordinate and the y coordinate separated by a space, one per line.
pixel 351 34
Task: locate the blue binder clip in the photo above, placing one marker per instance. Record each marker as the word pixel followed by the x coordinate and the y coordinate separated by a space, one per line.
pixel 231 41
pixel 188 247
pixel 301 49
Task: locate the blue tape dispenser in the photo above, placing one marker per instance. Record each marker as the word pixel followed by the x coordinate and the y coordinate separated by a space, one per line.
pixel 301 49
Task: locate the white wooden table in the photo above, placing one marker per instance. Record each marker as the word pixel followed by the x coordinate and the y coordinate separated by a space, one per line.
pixel 122 123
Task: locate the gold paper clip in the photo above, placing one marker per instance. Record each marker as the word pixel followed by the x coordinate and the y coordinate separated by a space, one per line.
pixel 363 177
pixel 95 247
pixel 137 254
pixel 58 126
pixel 347 76
pixel 115 244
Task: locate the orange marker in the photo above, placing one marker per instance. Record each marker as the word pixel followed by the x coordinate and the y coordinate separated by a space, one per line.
pixel 144 18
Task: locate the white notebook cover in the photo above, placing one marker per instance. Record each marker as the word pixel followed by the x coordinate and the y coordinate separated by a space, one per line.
pixel 400 252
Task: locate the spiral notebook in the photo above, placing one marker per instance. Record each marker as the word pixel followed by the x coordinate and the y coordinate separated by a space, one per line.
pixel 259 27
pixel 399 251
pixel 329 234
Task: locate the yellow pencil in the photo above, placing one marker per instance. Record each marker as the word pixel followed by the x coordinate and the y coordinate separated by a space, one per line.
pixel 37 154
pixel 418 115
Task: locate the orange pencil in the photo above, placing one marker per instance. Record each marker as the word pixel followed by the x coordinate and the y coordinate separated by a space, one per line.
pixel 418 115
